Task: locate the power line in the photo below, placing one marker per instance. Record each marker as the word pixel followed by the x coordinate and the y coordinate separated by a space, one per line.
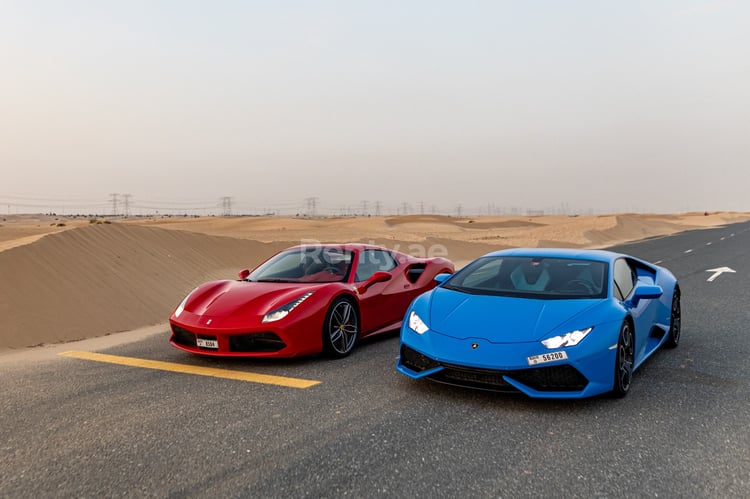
pixel 126 203
pixel 312 205
pixel 226 206
pixel 114 204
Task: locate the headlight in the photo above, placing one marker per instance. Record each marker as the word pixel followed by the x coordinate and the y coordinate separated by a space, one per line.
pixel 416 324
pixel 568 339
pixel 283 311
pixel 181 306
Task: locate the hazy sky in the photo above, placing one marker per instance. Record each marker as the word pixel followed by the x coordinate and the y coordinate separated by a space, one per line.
pixel 582 105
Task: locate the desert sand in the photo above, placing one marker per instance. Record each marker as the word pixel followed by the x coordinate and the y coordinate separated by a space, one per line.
pixel 66 279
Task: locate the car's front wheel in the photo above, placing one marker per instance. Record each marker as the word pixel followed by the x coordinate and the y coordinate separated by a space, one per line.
pixel 675 321
pixel 624 360
pixel 340 329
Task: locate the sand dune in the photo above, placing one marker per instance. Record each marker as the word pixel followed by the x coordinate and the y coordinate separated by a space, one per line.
pixel 102 279
pixel 82 279
pixel 18 230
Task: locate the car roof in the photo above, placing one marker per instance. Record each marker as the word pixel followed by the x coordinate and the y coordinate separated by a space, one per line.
pixel 346 246
pixel 587 254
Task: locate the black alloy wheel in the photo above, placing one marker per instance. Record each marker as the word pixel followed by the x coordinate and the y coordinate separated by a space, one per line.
pixel 675 321
pixel 624 359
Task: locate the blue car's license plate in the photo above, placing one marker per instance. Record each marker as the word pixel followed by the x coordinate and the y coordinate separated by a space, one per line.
pixel 547 357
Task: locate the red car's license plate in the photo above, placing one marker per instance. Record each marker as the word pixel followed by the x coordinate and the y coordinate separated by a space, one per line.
pixel 208 343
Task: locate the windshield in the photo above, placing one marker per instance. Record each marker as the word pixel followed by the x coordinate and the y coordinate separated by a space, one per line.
pixel 532 277
pixel 308 264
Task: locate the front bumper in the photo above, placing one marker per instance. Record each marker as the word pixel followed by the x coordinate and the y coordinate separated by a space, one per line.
pixel 283 339
pixel 503 367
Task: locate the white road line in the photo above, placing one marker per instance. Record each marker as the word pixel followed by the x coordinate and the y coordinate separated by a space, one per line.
pixel 688 251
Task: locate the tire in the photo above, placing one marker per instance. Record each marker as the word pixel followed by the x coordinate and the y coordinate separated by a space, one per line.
pixel 624 358
pixel 675 321
pixel 340 329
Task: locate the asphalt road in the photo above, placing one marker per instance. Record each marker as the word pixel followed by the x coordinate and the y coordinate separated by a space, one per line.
pixel 81 428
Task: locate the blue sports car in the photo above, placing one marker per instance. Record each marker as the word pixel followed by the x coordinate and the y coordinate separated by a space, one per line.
pixel 552 323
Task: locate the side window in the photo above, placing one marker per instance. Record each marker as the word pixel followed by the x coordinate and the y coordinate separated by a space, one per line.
pixel 371 261
pixel 625 278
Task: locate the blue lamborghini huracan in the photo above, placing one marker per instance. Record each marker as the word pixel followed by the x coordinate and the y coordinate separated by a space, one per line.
pixel 552 323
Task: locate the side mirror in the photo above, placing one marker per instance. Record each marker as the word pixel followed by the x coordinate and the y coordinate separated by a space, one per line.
pixel 375 278
pixel 440 278
pixel 647 291
pixel 243 274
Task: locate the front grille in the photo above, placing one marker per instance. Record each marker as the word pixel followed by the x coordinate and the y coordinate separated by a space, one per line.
pixel 484 379
pixel 416 361
pixel 256 342
pixel 183 337
pixel 564 378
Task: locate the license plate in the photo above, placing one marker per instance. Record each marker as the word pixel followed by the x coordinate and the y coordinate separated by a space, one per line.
pixel 208 343
pixel 547 357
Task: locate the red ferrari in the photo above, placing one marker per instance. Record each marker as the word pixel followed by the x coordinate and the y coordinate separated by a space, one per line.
pixel 304 300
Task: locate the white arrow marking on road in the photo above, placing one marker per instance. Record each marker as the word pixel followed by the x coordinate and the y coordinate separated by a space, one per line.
pixel 718 272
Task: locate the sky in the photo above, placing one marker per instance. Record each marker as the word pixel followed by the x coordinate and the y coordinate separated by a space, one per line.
pixel 377 107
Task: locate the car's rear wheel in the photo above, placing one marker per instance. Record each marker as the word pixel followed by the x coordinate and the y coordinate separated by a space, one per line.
pixel 624 359
pixel 340 329
pixel 675 321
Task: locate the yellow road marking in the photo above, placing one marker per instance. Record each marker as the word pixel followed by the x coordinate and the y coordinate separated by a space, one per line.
pixel 188 369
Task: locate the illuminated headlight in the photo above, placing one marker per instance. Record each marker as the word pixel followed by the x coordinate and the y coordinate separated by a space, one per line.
pixel 416 324
pixel 281 312
pixel 568 339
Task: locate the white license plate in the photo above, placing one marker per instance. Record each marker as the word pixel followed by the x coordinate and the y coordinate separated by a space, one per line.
pixel 547 357
pixel 208 343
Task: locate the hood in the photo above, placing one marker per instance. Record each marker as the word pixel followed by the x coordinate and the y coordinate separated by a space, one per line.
pixel 501 319
pixel 225 298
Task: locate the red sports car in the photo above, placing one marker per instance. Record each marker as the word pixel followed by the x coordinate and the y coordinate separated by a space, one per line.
pixel 304 300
